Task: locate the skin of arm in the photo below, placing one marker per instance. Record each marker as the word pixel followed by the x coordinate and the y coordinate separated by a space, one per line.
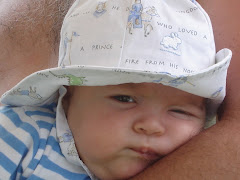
pixel 29 36
pixel 29 42
pixel 215 153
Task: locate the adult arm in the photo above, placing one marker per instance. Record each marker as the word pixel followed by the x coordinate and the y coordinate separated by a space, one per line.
pixel 29 36
pixel 215 153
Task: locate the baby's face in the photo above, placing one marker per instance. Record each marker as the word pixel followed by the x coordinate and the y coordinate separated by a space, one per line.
pixel 120 130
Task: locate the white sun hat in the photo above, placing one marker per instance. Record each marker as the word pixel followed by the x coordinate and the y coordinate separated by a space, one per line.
pixel 110 42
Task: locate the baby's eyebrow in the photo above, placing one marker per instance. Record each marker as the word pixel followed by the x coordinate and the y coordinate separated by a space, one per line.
pixel 130 86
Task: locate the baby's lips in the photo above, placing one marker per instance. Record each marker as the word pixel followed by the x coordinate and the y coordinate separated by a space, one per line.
pixel 147 153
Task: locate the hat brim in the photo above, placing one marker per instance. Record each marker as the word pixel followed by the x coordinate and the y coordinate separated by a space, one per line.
pixel 37 88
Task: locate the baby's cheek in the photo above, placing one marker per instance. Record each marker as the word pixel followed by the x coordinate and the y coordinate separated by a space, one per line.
pixel 181 134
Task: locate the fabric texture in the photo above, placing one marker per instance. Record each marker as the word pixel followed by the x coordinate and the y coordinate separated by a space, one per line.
pixel 33 148
pixel 113 42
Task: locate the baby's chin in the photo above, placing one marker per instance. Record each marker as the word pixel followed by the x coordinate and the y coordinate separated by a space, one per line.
pixel 126 172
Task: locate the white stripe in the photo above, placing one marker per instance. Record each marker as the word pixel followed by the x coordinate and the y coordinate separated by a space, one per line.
pixel 63 163
pixel 27 172
pixel 9 152
pixel 6 122
pixel 4 174
pixel 39 154
pixel 44 133
pixel 47 174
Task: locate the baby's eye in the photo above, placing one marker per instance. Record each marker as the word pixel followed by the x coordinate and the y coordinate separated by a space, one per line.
pixel 124 98
pixel 180 114
pixel 180 111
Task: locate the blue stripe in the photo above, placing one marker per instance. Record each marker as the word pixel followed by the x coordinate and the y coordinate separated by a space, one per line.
pixel 33 164
pixel 7 111
pixel 25 126
pixel 40 113
pixel 54 144
pixel 22 178
pixel 17 145
pixel 35 136
pixel 10 166
pixel 7 164
pixel 51 141
pixel 12 141
pixel 46 163
pixel 42 144
pixel 44 125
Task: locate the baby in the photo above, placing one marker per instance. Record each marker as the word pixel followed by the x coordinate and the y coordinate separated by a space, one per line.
pixel 135 81
pixel 120 130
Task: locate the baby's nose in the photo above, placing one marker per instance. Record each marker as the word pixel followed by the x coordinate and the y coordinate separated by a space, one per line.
pixel 149 126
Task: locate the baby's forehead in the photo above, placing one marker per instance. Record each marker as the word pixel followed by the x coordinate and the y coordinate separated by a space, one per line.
pixel 141 89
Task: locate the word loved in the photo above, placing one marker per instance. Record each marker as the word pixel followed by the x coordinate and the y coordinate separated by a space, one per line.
pixel 189 31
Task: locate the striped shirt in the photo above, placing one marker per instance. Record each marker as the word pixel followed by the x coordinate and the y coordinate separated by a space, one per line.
pixel 29 147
